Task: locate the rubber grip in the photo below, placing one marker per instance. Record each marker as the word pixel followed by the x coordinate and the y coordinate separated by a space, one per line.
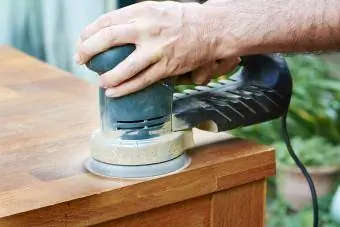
pixel 110 58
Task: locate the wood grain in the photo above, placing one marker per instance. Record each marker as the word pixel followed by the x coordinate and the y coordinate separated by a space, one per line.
pixel 242 206
pixel 189 213
pixel 46 120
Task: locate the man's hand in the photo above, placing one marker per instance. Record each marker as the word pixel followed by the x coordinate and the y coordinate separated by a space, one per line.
pixel 174 38
pixel 171 39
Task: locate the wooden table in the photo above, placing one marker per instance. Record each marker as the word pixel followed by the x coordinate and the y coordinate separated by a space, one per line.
pixel 46 119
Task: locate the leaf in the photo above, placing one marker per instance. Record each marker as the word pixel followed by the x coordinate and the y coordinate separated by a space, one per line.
pixel 326 84
pixel 306 218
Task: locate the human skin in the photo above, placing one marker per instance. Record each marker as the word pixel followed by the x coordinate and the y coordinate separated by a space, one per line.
pixel 205 40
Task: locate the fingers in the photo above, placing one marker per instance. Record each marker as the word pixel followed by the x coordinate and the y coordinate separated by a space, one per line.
pixel 106 20
pixel 101 22
pixel 227 65
pixel 147 77
pixel 143 80
pixel 184 79
pixel 105 39
pixel 136 62
pixel 204 74
pixel 123 15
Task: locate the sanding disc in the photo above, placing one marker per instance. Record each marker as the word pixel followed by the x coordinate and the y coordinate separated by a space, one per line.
pixel 138 171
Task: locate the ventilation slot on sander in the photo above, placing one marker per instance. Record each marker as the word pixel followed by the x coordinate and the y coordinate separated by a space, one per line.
pixel 142 124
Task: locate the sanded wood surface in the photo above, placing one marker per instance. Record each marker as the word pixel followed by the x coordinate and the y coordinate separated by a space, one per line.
pixel 46 119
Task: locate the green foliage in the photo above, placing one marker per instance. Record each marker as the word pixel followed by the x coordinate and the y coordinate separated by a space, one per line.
pixel 314 108
pixel 313 152
pixel 279 214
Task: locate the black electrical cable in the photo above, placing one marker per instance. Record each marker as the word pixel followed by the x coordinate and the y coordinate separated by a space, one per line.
pixel 303 170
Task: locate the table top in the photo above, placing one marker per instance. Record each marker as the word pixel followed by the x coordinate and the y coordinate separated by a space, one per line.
pixel 46 120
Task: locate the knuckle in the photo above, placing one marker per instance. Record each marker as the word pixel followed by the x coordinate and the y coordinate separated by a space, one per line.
pixel 133 69
pixel 104 20
pixel 114 82
pixel 83 54
pixel 147 3
pixel 145 27
pixel 107 34
pixel 146 81
pixel 84 34
pixel 145 6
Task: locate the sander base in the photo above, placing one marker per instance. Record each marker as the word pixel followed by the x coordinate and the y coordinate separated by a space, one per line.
pixel 138 171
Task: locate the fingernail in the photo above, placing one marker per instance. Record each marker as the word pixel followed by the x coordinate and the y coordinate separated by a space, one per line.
pixel 110 92
pixel 77 58
pixel 237 61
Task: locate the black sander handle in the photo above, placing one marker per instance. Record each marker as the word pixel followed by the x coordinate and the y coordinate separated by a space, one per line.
pixel 259 92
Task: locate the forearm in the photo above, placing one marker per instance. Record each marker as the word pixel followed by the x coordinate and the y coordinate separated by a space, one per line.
pixel 260 26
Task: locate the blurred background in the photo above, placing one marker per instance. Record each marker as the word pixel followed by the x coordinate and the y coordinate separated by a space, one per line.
pixel 48 30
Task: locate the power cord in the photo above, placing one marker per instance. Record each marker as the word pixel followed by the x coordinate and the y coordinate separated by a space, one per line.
pixel 303 170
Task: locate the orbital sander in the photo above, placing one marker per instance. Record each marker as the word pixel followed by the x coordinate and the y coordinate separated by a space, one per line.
pixel 146 133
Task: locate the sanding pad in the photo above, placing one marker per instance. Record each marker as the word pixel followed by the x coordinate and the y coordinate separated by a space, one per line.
pixel 138 171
